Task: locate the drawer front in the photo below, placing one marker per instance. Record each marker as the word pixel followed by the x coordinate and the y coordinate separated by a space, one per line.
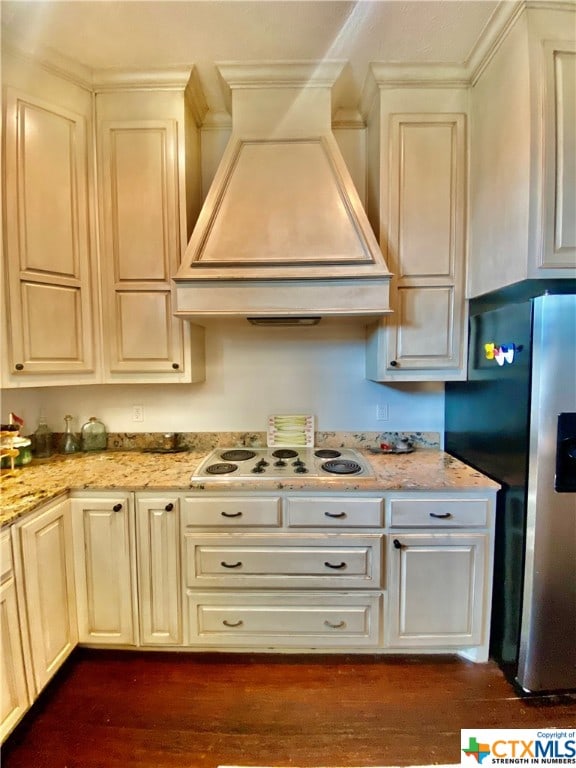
pixel 250 561
pixel 232 511
pixel 438 513
pixel 334 513
pixel 5 555
pixel 294 620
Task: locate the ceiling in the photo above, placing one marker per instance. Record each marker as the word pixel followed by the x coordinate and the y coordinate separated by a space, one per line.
pixel 156 34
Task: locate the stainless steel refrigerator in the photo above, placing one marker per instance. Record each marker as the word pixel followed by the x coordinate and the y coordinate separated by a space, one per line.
pixel 515 420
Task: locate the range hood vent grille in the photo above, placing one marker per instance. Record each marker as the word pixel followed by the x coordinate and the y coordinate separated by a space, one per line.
pixel 282 232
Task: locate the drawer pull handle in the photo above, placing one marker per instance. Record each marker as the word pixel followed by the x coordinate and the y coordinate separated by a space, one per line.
pixel 339 566
pixel 339 625
pixel 232 623
pixel 231 565
pixel 443 516
pixel 397 544
pixel 231 514
pixel 335 514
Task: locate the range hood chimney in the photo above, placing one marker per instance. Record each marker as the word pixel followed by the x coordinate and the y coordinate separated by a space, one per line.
pixel 282 233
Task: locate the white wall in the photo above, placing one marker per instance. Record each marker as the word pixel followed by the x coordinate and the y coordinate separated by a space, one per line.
pixel 251 373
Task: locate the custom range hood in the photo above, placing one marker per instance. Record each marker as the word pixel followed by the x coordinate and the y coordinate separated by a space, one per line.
pixel 282 237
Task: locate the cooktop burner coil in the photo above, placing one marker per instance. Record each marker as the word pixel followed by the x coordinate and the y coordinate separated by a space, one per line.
pixel 327 453
pixel 341 467
pixel 222 468
pixel 237 455
pixel 285 453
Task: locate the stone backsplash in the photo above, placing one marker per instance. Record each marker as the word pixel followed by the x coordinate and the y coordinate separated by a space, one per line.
pixel 206 441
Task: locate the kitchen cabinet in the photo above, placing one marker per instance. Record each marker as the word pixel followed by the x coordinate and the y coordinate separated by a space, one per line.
pixel 14 693
pixel 158 563
pixel 104 556
pixel 417 169
pixel 142 201
pixel 439 576
pixel 43 552
pixel 523 144
pixel 49 304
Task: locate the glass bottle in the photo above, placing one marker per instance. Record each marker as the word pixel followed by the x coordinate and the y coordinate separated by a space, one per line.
pixel 70 442
pixel 94 436
pixel 43 439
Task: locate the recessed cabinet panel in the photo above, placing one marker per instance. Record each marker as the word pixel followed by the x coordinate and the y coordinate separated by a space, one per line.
pixel 149 339
pixel 560 150
pixel 141 182
pixel 425 205
pixel 425 327
pixel 47 191
pixel 48 307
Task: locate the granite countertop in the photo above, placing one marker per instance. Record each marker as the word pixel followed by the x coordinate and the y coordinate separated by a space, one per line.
pixel 41 481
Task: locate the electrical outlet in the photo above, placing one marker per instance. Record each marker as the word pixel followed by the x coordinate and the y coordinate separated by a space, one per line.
pixel 382 412
pixel 137 413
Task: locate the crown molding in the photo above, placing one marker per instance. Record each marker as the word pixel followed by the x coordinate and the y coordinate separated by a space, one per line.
pixel 348 118
pixel 175 78
pixel 280 74
pixel 217 121
pixel 493 35
pixel 50 61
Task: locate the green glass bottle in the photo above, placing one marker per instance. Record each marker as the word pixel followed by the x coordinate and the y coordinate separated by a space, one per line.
pixel 94 435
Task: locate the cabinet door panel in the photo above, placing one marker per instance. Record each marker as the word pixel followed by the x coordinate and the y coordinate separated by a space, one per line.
pixel 158 542
pixel 46 543
pixel 102 545
pixel 14 695
pixel 425 327
pixel 436 589
pixel 47 239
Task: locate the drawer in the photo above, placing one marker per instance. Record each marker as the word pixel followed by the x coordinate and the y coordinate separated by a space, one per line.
pixel 5 555
pixel 232 511
pixel 334 513
pixel 346 560
pixel 438 513
pixel 275 619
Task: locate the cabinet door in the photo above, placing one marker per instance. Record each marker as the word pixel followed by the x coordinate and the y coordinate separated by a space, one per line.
pixel 559 198
pixel 48 580
pixel 103 544
pixel 141 251
pixel 47 241
pixel 424 337
pixel 436 589
pixel 159 583
pixel 13 691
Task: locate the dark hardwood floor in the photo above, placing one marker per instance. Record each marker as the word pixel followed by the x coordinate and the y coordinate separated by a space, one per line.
pixel 109 709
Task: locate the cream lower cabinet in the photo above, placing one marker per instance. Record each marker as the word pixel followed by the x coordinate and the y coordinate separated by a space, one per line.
pixel 440 574
pixel 252 579
pixel 158 565
pixel 14 700
pixel 103 528
pixel 43 552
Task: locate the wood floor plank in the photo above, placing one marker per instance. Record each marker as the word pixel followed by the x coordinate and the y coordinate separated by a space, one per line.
pixel 109 709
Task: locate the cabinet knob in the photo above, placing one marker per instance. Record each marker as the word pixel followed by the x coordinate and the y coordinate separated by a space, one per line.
pixel 397 544
pixel 117 507
pixel 394 363
pixel 19 366
pixel 176 366
pixel 169 507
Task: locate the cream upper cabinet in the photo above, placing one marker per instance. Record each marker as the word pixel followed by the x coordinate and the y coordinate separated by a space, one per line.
pixel 523 149
pixel 142 201
pixel 13 691
pixel 43 547
pixel 417 202
pixel 48 292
